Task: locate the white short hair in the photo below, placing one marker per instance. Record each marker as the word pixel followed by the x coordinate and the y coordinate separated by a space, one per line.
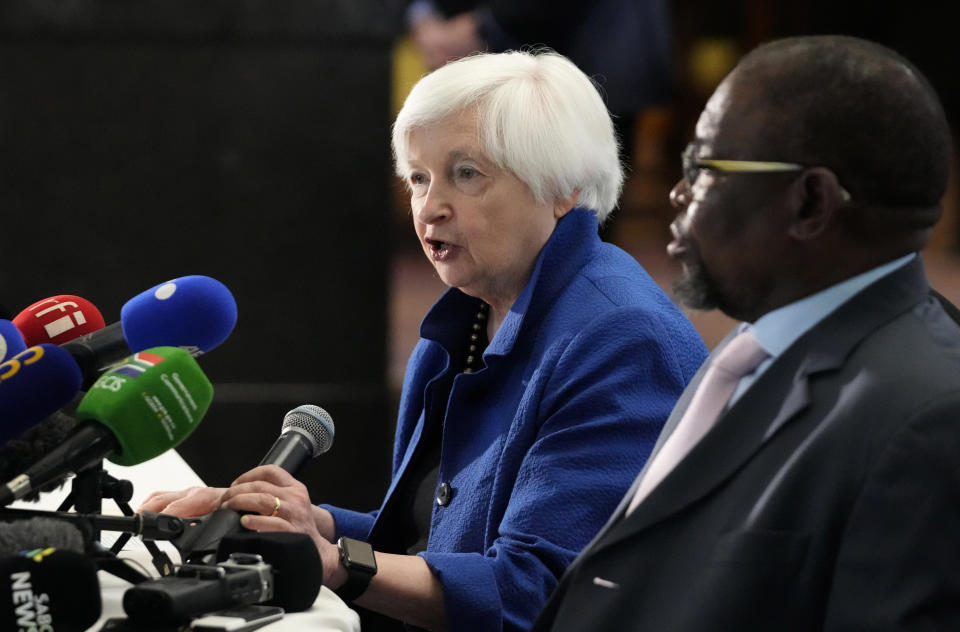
pixel 538 116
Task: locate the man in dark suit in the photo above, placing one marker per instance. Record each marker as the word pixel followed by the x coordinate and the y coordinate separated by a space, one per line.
pixel 826 494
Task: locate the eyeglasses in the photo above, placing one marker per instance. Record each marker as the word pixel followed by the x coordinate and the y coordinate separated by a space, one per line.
pixel 692 166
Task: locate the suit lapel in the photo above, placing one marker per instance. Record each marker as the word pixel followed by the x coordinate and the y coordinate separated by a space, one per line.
pixel 778 397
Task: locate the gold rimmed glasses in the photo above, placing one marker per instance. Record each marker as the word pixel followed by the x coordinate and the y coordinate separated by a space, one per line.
pixel 692 166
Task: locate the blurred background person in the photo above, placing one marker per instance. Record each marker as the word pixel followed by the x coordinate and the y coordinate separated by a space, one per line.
pixel 542 376
pixel 626 46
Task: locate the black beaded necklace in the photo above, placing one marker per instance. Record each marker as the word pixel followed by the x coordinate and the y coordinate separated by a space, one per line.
pixel 478 340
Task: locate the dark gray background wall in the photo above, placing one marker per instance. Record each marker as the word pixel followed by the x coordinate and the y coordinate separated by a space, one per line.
pixel 248 141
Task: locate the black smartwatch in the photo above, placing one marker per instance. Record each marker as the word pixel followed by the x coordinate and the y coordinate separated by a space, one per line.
pixel 361 564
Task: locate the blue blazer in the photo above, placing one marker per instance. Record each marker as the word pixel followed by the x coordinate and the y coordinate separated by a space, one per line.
pixel 539 446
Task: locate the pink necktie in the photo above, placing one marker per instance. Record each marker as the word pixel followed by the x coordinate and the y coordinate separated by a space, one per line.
pixel 739 358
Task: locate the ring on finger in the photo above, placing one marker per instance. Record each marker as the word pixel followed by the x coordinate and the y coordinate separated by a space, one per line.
pixel 276 507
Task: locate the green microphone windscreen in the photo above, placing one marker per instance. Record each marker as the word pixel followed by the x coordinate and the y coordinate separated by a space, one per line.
pixel 151 402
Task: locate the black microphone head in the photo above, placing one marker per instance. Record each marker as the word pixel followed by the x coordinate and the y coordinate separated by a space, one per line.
pixel 39 533
pixel 298 572
pixel 52 590
pixel 22 452
pixel 312 422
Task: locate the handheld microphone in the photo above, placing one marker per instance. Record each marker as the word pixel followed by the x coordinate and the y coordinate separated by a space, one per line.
pixel 11 340
pixel 133 413
pixel 196 313
pixel 58 319
pixel 307 432
pixel 49 589
pixel 33 385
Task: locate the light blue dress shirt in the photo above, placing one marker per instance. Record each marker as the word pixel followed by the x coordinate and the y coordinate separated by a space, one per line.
pixel 777 330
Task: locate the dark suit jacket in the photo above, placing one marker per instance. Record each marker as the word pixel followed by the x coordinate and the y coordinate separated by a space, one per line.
pixel 826 498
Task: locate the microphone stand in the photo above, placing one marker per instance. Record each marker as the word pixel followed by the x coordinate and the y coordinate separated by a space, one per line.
pixel 88 489
pixel 148 524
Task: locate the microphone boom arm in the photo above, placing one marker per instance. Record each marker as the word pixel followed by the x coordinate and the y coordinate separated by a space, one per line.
pixel 148 525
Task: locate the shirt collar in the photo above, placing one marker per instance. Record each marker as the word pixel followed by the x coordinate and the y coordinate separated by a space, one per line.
pixel 777 330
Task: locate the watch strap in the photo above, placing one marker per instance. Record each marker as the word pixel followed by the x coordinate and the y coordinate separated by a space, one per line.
pixel 358 578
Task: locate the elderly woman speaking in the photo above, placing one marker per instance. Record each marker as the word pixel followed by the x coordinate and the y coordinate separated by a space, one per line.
pixel 542 377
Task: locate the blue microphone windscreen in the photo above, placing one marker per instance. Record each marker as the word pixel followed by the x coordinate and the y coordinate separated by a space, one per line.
pixel 34 384
pixel 11 340
pixel 194 312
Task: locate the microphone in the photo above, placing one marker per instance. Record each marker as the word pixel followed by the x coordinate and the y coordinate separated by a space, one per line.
pixel 196 313
pixel 49 589
pixel 133 413
pixel 33 385
pixel 35 554
pixel 58 319
pixel 307 432
pixel 26 449
pixel 38 533
pixel 11 340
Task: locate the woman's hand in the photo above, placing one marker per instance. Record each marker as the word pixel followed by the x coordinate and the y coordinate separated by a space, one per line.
pixel 186 503
pixel 273 500
pixel 276 501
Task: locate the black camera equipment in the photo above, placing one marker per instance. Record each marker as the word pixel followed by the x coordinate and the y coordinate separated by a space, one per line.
pixel 194 589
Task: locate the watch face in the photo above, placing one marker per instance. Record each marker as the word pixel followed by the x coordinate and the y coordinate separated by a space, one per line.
pixel 358 554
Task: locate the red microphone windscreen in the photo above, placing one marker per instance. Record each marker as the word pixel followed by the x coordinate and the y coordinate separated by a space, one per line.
pixel 58 319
